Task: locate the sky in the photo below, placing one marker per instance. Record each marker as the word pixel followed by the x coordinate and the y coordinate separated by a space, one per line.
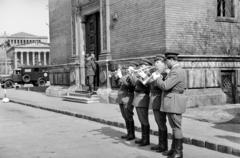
pixel 30 16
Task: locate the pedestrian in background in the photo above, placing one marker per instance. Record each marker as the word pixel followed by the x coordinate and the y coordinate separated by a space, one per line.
pixel 91 68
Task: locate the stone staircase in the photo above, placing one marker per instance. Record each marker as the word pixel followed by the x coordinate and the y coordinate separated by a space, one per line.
pixel 81 97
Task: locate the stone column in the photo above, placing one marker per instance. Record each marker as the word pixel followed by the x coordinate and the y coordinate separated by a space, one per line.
pixel 45 58
pixel 27 53
pixel 33 58
pixel 21 58
pixel 39 58
pixel 15 60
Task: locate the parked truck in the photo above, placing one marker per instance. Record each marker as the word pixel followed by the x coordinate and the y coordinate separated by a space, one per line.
pixel 36 75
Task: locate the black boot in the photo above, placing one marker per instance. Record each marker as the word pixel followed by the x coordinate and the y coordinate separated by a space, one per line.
pixel 178 151
pixel 139 141
pixel 170 152
pixel 157 147
pixel 163 141
pixel 131 134
pixel 127 127
pixel 146 136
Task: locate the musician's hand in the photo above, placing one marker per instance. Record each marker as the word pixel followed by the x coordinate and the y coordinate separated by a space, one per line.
pixel 142 74
pixel 130 69
pixel 119 73
pixel 156 75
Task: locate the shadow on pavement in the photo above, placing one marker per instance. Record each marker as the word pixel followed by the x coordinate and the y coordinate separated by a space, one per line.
pixel 115 135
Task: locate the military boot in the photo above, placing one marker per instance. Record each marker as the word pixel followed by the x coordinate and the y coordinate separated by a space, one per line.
pixel 127 127
pixel 157 147
pixel 163 141
pixel 131 134
pixel 146 136
pixel 177 153
pixel 170 152
pixel 139 141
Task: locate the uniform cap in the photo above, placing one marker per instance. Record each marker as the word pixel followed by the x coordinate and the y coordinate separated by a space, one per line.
pixel 171 54
pixel 145 62
pixel 133 63
pixel 159 57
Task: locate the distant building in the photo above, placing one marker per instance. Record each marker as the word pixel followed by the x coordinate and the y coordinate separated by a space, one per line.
pixel 205 32
pixel 25 49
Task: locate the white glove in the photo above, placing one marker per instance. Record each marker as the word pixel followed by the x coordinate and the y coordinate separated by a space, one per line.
pixel 119 73
pixel 142 74
pixel 130 69
pixel 155 75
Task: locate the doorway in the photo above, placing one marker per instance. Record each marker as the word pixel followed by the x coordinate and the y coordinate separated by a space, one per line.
pixel 228 83
pixel 93 43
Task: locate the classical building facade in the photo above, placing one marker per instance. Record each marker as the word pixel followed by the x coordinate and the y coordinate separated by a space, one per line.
pixel 206 33
pixel 30 54
pixel 24 50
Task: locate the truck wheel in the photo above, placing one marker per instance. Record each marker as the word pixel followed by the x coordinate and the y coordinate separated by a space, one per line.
pixel 41 82
pixel 26 78
pixel 8 84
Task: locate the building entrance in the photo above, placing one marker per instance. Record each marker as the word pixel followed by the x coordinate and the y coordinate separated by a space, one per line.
pixel 92 28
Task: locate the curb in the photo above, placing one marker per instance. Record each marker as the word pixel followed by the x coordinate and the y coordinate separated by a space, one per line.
pixel 186 140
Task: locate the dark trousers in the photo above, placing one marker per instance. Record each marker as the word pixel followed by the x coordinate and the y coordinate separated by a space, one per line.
pixel 175 121
pixel 143 115
pixel 90 82
pixel 127 112
pixel 161 119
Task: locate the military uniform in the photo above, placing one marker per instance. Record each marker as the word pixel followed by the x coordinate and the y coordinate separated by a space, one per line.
pixel 174 104
pixel 141 103
pixel 160 117
pixel 125 99
pixel 90 73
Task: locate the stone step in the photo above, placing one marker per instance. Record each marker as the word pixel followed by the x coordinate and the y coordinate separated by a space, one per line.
pixel 81 99
pixel 83 95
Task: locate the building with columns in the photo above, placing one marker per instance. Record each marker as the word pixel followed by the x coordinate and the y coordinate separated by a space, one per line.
pixel 206 33
pixel 25 49
pixel 31 54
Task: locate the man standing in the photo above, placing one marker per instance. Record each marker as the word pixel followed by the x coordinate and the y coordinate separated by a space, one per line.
pixel 125 99
pixel 141 102
pixel 174 101
pixel 90 71
pixel 155 103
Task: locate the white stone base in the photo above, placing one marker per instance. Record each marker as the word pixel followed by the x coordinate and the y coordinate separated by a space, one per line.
pixel 59 91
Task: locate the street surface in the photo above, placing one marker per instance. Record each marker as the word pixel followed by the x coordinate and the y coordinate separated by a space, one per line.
pixel 26 132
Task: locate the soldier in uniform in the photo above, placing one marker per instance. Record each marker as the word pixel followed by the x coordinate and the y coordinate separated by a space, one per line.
pixel 90 71
pixel 125 99
pixel 174 101
pixel 155 103
pixel 141 103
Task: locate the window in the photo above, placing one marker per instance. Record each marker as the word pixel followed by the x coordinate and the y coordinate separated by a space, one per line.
pixel 225 8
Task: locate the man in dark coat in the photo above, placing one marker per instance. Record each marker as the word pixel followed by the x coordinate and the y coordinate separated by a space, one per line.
pixel 141 103
pixel 155 103
pixel 90 71
pixel 125 99
pixel 174 101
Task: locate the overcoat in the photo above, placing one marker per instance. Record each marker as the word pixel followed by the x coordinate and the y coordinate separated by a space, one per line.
pixel 125 92
pixel 174 100
pixel 141 93
pixel 90 67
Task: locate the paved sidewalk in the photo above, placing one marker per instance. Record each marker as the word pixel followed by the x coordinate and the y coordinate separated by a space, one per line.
pixel 220 137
